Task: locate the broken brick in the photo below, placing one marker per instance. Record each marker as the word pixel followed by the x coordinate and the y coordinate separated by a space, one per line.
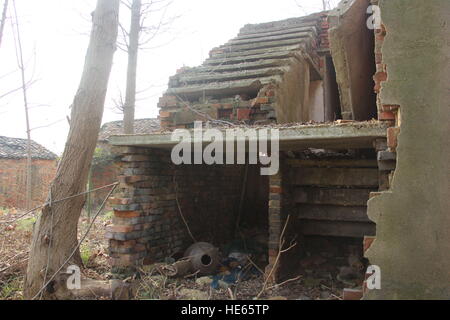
pixel 386 116
pixel 243 114
pixel 126 214
pixel 392 134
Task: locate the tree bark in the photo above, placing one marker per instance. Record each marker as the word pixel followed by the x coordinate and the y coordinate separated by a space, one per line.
pixel 133 48
pixel 55 231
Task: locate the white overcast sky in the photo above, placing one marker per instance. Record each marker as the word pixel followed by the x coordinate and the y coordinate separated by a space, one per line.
pixel 55 36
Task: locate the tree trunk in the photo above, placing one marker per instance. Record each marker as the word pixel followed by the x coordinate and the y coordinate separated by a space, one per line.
pixel 55 231
pixel 3 22
pixel 133 47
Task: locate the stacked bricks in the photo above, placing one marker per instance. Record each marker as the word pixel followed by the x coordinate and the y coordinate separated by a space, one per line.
pixel 144 199
pixel 279 205
pixel 263 106
pixel 389 114
pixel 175 113
pixel 147 224
pixel 323 35
pixel 275 223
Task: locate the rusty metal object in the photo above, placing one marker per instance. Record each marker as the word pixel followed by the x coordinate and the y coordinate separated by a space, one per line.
pixel 204 257
pixel 180 268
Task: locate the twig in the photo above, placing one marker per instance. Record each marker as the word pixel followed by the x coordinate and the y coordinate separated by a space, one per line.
pixel 280 251
pixel 13 265
pixel 283 283
pixel 241 200
pixel 180 211
pixel 232 296
pixel 255 265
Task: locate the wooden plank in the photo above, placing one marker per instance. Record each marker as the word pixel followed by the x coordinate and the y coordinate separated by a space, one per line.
pixel 332 213
pixel 337 229
pixel 359 177
pixel 340 197
pixel 334 163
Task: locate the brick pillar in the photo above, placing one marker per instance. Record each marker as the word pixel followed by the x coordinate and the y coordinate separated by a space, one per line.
pixel 136 206
pixel 278 209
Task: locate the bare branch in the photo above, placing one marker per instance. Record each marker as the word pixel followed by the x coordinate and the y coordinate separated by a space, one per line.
pixel 27 86
pixel 3 22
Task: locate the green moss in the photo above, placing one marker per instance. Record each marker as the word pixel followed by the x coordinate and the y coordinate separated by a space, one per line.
pixel 85 253
pixel 11 289
pixel 26 224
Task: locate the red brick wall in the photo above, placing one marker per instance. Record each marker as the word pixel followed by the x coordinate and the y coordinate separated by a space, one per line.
pixel 102 175
pixel 13 181
pixel 147 222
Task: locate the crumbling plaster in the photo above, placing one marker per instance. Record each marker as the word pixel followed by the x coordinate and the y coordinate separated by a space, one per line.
pixel 412 246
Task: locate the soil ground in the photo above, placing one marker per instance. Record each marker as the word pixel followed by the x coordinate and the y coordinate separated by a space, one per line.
pixel 315 279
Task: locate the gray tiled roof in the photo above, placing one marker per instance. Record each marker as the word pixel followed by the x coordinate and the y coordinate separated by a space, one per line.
pixel 116 127
pixel 16 148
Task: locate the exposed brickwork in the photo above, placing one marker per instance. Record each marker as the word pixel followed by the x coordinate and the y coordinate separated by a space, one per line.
pixel 102 175
pixel 240 81
pixel 324 26
pixel 147 223
pixel 13 181
pixel 280 206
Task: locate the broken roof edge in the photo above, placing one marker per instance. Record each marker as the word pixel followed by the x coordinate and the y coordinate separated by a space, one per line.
pixel 328 135
pixel 285 23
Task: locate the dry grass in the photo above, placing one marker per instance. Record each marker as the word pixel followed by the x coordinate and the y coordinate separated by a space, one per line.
pixel 15 239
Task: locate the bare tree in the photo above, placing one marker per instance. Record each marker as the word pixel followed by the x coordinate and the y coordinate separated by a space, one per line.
pixel 137 37
pixel 19 56
pixel 3 22
pixel 54 243
pixel 133 46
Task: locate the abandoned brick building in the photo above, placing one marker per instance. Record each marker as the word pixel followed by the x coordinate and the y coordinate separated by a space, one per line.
pixel 13 172
pixel 335 89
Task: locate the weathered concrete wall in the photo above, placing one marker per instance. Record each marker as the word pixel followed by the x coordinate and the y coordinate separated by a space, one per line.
pixel 352 49
pixel 316 101
pixel 412 246
pixel 293 93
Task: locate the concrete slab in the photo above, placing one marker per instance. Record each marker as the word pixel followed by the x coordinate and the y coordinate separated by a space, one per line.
pixel 328 136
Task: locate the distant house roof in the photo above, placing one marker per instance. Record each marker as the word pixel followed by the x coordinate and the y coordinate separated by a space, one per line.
pixel 116 127
pixel 16 148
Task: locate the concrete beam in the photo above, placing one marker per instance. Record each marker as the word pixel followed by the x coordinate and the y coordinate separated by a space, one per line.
pixel 330 136
pixel 226 76
pixel 310 28
pixel 267 63
pixel 227 88
pixel 223 56
pixel 282 36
